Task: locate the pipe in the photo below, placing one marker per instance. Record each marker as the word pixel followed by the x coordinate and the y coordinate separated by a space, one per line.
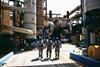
pixel 17 29
pixel 30 17
pixel 13 8
pixel 83 11
pixel 22 30
pixel 75 9
pixel 5 58
pixel 88 62
pixel 75 16
pixel 46 12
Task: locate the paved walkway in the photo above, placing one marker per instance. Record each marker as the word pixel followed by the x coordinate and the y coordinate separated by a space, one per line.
pixel 30 59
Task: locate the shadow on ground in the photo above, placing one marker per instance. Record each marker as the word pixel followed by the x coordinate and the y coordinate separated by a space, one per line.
pixel 36 59
pixel 45 59
pixel 54 59
pixel 54 65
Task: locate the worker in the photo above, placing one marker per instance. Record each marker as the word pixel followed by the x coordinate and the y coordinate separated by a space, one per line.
pixel 57 48
pixel 40 47
pixel 49 48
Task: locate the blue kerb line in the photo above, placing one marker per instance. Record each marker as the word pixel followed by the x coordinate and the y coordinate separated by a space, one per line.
pixel 85 60
pixel 5 58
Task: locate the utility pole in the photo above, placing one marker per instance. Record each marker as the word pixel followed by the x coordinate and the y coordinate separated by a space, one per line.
pixel 84 28
pixel 83 16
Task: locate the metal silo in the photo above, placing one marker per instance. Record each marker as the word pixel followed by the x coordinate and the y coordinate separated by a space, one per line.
pixel 92 5
pixel 30 17
pixel 92 27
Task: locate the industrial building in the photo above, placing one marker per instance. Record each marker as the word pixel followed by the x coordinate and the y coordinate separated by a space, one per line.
pixel 23 22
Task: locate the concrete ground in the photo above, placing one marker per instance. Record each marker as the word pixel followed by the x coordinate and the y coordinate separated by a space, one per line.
pixel 30 59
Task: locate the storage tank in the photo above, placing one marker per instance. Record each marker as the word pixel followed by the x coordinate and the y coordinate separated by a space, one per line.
pixel 92 5
pixel 92 11
pixel 94 51
pixel 30 17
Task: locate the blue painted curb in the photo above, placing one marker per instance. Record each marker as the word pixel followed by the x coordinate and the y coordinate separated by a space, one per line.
pixel 5 58
pixel 85 60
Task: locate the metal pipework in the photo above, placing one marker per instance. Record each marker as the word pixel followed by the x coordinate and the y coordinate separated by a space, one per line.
pixel 75 16
pixel 13 8
pixel 30 17
pixel 75 9
pixel 17 29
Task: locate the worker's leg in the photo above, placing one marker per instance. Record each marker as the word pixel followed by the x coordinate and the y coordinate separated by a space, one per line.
pixel 39 53
pixel 50 53
pixel 47 53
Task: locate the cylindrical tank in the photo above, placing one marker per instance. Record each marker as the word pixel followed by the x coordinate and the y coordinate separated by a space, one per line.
pixel 30 17
pixel 93 51
pixel 92 5
pixel 92 12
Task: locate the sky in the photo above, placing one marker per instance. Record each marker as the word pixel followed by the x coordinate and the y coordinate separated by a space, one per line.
pixel 61 6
